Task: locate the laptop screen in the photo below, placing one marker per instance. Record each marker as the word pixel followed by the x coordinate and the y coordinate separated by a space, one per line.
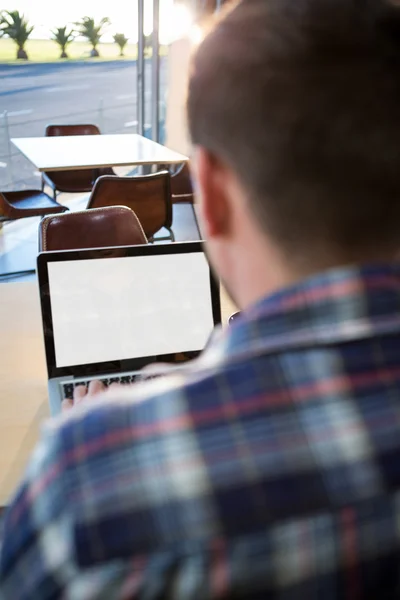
pixel 127 307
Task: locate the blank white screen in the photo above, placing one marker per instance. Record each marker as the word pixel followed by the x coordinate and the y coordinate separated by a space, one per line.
pixel 131 307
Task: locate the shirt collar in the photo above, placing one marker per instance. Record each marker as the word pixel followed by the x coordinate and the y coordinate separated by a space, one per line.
pixel 335 306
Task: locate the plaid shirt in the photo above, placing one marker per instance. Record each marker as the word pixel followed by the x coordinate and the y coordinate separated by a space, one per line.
pixel 269 469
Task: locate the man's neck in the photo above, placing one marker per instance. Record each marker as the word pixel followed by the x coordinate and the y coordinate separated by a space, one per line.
pixel 258 270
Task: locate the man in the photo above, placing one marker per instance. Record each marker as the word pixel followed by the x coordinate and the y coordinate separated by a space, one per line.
pixel 271 468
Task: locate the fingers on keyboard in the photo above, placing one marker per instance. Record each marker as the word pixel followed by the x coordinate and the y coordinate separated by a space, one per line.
pixel 95 386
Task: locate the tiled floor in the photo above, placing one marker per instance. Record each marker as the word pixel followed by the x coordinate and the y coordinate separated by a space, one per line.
pixel 19 239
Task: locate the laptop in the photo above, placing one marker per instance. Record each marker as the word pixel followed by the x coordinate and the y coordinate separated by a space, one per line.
pixel 109 312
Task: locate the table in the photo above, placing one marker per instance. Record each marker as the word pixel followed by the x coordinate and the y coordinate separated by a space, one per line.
pixel 67 153
pixel 23 378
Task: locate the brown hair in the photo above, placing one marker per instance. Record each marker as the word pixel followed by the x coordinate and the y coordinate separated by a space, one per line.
pixel 302 99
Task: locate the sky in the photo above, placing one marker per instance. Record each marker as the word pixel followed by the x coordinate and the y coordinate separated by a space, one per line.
pixel 48 14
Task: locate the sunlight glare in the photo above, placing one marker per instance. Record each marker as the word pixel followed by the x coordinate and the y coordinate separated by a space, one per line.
pixel 196 35
pixel 178 23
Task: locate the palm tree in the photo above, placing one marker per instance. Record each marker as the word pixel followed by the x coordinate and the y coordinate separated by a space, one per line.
pixel 16 27
pixel 92 31
pixel 63 38
pixel 121 40
pixel 148 44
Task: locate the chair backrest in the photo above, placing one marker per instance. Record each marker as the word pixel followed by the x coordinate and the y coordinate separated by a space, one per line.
pixel 149 196
pixel 84 129
pixel 97 228
pixel 81 180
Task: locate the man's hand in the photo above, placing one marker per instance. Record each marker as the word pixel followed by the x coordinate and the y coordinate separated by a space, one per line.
pixel 83 394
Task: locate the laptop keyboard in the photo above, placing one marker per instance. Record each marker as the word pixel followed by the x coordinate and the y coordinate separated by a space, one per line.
pixel 68 388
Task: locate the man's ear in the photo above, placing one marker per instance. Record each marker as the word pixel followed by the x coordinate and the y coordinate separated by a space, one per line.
pixel 211 190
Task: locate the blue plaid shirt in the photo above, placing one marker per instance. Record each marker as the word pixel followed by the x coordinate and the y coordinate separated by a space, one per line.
pixel 269 469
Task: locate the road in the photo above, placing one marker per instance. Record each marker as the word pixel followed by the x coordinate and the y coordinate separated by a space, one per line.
pixel 35 95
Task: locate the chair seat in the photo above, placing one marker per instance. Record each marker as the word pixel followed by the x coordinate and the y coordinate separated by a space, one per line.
pixel 62 182
pixel 182 198
pixel 72 182
pixel 28 203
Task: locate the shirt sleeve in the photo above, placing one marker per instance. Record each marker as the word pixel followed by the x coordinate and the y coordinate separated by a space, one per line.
pixel 38 559
pixel 37 543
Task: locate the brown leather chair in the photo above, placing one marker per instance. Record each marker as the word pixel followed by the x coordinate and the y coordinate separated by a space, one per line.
pixel 96 228
pixel 181 186
pixel 27 203
pixel 149 196
pixel 78 180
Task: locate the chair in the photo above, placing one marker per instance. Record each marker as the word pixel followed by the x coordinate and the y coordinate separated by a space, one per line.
pixel 78 180
pixel 149 196
pixel 182 191
pixel 96 228
pixel 181 186
pixel 27 203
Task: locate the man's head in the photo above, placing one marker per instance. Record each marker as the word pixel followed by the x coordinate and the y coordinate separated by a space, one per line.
pixel 294 112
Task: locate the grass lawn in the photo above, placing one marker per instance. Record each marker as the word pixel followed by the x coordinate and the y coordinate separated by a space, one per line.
pixel 49 51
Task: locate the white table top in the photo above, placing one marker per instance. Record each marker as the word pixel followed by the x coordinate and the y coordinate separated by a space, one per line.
pixel 23 378
pixel 67 153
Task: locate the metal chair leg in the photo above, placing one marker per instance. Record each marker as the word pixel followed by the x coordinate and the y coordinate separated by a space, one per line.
pixel 195 220
pixel 164 238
